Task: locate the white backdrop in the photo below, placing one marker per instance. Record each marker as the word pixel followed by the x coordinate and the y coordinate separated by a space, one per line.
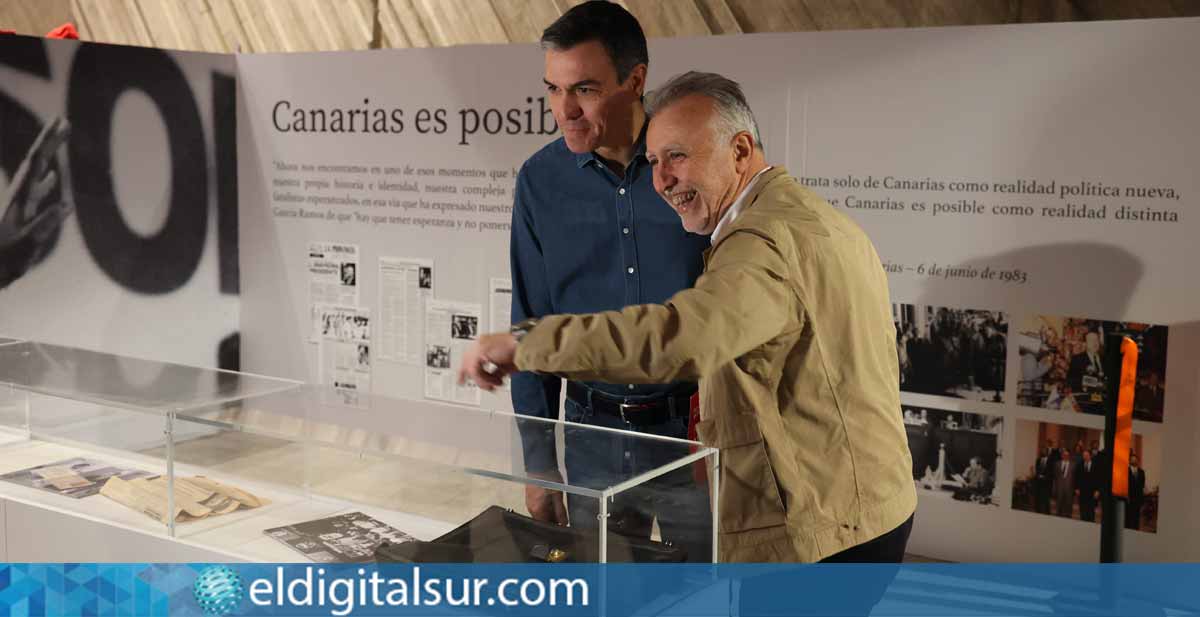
pixel 1101 103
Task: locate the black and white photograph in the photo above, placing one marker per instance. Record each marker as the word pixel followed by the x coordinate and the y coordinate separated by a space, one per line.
pixel 464 327
pixel 364 357
pixel 1059 473
pixel 437 356
pixel 425 278
pixel 954 453
pixel 349 276
pixel 450 328
pixel 361 328
pixel 119 162
pixel 951 352
pixel 33 207
pixel 1062 365
pixel 345 538
pixel 76 478
pixel 344 324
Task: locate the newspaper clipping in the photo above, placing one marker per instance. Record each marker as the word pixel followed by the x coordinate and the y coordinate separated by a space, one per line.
pixel 196 497
pixel 345 352
pixel 345 538
pixel 76 477
pixel 450 327
pixel 500 297
pixel 405 285
pixel 332 278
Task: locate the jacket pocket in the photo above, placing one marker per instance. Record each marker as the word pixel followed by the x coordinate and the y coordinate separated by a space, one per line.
pixel 748 495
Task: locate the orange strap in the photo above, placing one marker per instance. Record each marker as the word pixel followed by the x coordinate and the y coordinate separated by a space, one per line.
pixel 1123 436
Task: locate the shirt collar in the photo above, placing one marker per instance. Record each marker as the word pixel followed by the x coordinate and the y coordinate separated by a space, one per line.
pixel 639 149
pixel 736 209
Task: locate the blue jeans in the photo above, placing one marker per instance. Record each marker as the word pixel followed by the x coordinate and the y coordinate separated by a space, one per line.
pixel 674 499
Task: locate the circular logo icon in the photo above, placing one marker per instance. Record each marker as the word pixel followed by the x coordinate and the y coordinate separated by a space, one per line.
pixel 218 590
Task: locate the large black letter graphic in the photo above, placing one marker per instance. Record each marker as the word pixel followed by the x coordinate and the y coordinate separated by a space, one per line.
pixel 163 262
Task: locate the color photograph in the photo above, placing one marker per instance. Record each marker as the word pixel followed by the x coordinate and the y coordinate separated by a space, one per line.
pixel 1059 473
pixel 1062 365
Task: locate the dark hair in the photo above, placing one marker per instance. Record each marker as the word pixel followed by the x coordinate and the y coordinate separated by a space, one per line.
pixel 607 22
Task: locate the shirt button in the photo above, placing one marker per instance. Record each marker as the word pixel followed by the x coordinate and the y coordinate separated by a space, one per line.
pixel 630 386
pixel 625 230
pixel 630 270
pixel 621 191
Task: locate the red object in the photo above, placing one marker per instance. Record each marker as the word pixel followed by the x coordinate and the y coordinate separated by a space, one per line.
pixel 8 31
pixel 693 417
pixel 65 31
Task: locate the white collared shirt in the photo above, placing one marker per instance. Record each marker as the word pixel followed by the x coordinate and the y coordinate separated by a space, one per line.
pixel 736 208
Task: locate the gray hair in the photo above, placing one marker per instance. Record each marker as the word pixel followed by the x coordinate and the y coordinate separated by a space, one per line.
pixel 733 112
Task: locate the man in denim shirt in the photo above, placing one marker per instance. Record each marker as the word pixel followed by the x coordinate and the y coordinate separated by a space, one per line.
pixel 589 234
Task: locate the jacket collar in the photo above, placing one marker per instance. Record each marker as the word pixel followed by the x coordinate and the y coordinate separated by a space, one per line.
pixel 750 199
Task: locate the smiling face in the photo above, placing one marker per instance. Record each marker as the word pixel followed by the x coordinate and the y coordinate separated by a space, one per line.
pixel 696 170
pixel 593 109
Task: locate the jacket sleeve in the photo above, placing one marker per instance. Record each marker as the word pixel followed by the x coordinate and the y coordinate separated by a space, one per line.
pixel 532 394
pixel 744 299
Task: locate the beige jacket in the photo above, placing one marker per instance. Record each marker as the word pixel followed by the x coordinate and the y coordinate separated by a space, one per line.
pixel 789 332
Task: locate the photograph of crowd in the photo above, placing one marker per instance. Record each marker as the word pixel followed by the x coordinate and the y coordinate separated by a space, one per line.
pixel 1062 365
pixel 345 538
pixel 342 324
pixel 437 356
pixel 951 352
pixel 1059 472
pixel 464 327
pixel 954 452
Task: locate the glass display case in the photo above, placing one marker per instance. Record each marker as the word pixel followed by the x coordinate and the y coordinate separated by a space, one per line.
pixel 268 469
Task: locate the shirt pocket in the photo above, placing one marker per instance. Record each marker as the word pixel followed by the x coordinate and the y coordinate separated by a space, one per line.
pixel 748 496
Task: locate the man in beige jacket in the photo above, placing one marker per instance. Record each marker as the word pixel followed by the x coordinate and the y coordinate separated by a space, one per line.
pixel 789 332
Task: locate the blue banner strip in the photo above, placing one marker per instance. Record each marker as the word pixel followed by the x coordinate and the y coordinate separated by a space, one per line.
pixel 750 590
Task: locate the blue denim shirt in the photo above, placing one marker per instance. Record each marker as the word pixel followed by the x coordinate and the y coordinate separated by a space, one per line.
pixel 586 240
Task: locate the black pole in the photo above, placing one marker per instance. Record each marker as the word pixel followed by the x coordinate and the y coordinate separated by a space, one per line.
pixel 1112 508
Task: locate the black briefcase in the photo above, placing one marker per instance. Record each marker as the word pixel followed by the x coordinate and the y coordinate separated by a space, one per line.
pixel 498 535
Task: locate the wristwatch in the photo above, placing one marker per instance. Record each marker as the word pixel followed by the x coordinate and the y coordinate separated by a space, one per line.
pixel 519 330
